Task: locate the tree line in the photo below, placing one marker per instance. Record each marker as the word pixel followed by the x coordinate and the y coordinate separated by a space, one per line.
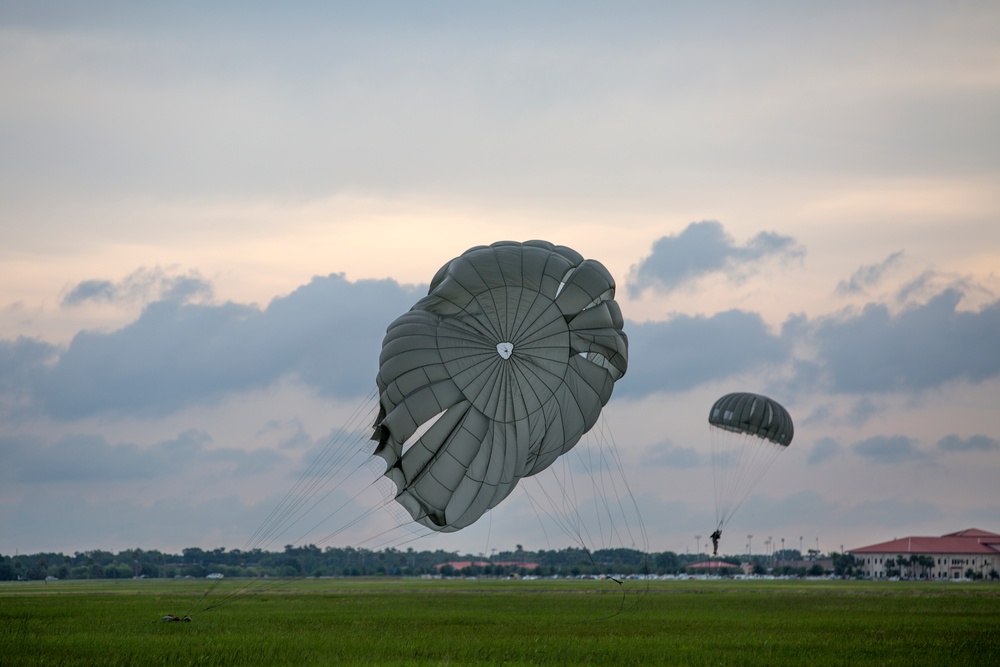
pixel 311 561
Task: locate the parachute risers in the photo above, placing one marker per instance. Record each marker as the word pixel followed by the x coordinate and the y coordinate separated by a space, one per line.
pixel 747 432
pixel 513 353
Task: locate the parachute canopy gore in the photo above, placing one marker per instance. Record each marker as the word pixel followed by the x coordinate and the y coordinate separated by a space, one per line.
pixel 504 417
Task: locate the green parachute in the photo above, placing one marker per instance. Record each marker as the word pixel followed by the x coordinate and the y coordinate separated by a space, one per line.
pixel 747 431
pixel 497 372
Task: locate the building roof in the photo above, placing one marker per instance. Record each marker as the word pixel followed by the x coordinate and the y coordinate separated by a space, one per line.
pixel 970 541
pixel 714 565
pixel 462 564
pixel 975 532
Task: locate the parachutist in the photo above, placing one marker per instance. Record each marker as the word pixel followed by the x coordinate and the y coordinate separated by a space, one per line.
pixel 716 536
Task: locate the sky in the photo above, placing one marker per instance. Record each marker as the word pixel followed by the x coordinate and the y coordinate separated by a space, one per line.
pixel 210 212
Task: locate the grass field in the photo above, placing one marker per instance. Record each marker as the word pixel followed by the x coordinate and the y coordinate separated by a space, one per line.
pixel 410 622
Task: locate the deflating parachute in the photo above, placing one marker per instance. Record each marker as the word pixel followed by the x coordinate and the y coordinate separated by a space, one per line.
pixel 498 371
pixel 748 431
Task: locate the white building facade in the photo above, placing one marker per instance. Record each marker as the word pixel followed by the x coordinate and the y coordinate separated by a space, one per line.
pixel 970 553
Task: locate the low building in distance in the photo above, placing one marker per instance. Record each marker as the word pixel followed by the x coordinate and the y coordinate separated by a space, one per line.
pixel 967 554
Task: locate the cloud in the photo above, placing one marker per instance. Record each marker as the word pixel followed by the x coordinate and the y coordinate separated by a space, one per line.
pixel 704 248
pixel 975 443
pixel 291 433
pixel 931 282
pixel 893 513
pixel 143 286
pixel 802 508
pixel 54 518
pixel 325 334
pixel 893 449
pixel 687 351
pixel 869 275
pixel 922 347
pixel 20 361
pixel 862 410
pixel 91 458
pixel 673 456
pixel 823 450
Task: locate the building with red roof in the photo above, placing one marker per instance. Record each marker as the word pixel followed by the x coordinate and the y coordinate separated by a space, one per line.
pixel 716 566
pixel 952 556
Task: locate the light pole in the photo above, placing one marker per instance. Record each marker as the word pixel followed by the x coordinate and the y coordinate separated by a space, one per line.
pixel 697 545
pixel 749 545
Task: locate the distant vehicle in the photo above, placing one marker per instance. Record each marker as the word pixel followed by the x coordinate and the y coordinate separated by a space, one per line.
pixel 215 575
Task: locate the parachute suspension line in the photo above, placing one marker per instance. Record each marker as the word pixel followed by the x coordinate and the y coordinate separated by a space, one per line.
pixel 761 458
pixel 323 476
pixel 615 464
pixel 316 475
pixel 610 519
pixel 739 461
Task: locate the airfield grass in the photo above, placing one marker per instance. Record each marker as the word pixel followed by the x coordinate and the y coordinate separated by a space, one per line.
pixel 418 622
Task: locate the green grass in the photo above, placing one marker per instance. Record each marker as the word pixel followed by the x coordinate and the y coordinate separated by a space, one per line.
pixel 409 622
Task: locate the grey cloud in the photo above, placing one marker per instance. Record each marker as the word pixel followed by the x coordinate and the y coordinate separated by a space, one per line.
pixel 142 285
pixel 326 334
pixel 802 507
pixel 91 458
pixel 975 443
pixel 889 449
pixel 240 462
pixel 923 346
pixel 863 410
pixel 20 360
pixel 819 415
pixel 686 351
pixel 673 456
pixel 291 433
pixel 892 512
pixel 53 519
pixel 704 248
pixel 823 450
pixel 858 413
pixel 869 275
pixel 931 283
pixel 90 290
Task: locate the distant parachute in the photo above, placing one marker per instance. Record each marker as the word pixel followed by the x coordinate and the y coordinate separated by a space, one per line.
pixel 497 372
pixel 747 431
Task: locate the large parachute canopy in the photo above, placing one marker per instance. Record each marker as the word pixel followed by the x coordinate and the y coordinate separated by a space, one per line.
pixel 747 431
pixel 498 371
